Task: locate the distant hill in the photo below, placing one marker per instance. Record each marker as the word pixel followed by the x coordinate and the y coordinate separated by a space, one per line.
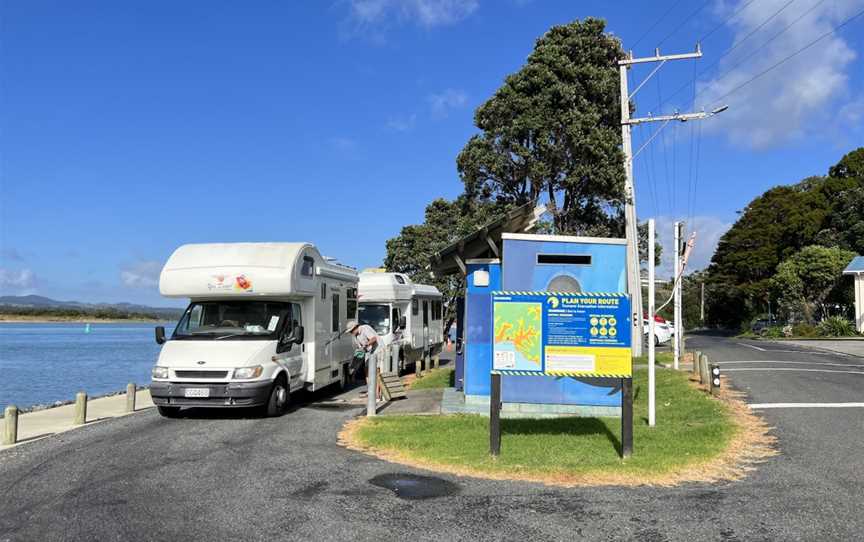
pixel 37 304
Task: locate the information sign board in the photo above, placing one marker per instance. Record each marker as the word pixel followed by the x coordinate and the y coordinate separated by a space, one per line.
pixel 561 334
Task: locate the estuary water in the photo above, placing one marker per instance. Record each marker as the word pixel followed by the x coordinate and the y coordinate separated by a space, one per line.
pixel 44 363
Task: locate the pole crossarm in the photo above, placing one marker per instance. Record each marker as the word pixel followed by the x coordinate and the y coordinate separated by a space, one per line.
pixel 660 58
pixel 683 117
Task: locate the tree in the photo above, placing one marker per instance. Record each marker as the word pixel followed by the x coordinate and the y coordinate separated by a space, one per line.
pixel 553 130
pixel 806 280
pixel 643 244
pixel 445 222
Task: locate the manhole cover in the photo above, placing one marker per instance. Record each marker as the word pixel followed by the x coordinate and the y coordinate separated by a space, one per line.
pixel 413 486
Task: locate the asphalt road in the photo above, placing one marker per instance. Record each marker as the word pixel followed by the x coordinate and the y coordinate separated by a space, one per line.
pixel 232 477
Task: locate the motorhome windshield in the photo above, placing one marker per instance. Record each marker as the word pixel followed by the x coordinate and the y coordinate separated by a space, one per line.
pixel 377 316
pixel 232 320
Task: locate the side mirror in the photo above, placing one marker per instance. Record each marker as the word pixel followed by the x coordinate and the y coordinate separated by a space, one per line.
pixel 160 335
pixel 298 334
pixel 403 322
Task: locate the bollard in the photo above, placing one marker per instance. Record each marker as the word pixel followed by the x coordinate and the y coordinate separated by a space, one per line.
pixel 696 356
pixel 418 368
pixel 130 397
pixel 715 379
pixel 436 361
pixel 80 408
pixel 10 433
pixel 703 369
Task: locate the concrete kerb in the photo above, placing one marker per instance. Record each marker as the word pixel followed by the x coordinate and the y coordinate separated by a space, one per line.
pixel 41 423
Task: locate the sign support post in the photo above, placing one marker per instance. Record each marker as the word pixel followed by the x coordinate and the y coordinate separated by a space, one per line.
pixel 495 417
pixel 626 417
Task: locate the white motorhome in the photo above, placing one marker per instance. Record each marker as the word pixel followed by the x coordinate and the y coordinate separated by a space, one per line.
pixel 407 317
pixel 264 320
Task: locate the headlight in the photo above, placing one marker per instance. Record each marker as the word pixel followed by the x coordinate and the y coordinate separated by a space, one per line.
pixel 245 373
pixel 159 372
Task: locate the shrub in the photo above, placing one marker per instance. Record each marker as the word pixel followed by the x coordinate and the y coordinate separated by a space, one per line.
pixel 804 330
pixel 836 326
pixel 774 332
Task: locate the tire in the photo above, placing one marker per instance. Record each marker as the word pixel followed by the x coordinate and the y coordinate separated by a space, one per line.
pixel 656 340
pixel 168 411
pixel 279 399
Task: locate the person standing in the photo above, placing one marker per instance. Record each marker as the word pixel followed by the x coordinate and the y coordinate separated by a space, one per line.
pixel 365 338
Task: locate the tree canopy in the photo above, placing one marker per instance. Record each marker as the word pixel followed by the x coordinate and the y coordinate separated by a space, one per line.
pixel 807 279
pixel 826 211
pixel 553 129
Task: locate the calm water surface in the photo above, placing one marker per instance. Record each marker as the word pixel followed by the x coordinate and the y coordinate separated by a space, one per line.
pixel 43 363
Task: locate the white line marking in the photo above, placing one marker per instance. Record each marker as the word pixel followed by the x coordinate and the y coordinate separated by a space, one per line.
pixel 806 405
pixel 793 363
pixel 753 347
pixel 793 369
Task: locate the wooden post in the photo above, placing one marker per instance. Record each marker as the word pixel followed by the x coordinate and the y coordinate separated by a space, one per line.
pixel 626 417
pixel 130 397
pixel 436 361
pixel 703 369
pixel 80 409
pixel 696 356
pixel 418 368
pixel 495 417
pixel 10 433
pixel 715 379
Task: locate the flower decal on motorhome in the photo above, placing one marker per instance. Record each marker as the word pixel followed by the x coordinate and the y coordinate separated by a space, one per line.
pixel 242 283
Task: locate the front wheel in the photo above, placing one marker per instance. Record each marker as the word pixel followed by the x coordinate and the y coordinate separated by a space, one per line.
pixel 168 411
pixel 277 405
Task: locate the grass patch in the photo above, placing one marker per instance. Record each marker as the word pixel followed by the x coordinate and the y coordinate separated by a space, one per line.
pixel 443 377
pixel 692 430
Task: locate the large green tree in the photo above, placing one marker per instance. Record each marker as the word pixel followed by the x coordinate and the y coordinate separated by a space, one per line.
pixel 809 278
pixel 826 211
pixel 553 130
pixel 445 221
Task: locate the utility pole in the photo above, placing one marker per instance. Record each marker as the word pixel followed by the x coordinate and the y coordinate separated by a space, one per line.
pixel 633 278
pixel 702 307
pixel 678 278
pixel 651 328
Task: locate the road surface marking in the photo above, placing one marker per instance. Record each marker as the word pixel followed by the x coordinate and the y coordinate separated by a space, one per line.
pixel 805 405
pixel 793 363
pixel 792 369
pixel 753 347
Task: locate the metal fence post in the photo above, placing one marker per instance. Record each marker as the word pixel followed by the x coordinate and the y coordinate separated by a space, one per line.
pixel 10 433
pixel 130 396
pixel 80 408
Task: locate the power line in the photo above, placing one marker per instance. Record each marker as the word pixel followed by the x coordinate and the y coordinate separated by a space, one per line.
pixel 790 57
pixel 735 46
pixel 723 23
pixel 685 21
pixel 653 26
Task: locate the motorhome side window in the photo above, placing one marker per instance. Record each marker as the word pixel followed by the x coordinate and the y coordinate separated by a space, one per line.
pixel 415 307
pixel 335 312
pixel 425 313
pixel 351 303
pixel 308 267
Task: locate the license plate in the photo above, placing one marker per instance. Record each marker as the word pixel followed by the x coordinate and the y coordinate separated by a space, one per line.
pixel 196 392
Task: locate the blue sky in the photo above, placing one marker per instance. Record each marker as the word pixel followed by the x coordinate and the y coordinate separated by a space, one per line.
pixel 129 128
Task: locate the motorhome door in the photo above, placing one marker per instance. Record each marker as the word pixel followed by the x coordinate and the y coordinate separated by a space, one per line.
pixel 425 325
pixel 291 348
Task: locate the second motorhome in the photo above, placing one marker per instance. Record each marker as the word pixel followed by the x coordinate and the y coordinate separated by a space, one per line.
pixel 407 316
pixel 264 320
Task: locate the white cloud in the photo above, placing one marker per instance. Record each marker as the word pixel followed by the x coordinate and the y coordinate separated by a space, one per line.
pixel 427 13
pixel 143 274
pixel 443 102
pixel 709 229
pixel 402 124
pixel 795 98
pixel 23 279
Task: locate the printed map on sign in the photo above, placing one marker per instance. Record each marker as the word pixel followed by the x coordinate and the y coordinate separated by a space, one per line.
pixel 518 336
pixel 562 334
